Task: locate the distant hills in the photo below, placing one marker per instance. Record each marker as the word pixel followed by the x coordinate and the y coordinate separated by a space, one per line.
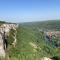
pixel 50 24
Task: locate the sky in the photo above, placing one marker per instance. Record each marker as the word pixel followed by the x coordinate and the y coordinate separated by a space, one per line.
pixel 29 10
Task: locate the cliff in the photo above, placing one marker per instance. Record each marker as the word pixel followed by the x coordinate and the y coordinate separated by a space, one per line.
pixel 4 33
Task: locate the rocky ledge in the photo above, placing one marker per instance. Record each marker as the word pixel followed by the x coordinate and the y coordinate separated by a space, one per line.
pixel 4 32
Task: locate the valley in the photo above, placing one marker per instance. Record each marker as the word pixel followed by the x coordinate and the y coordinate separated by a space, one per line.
pixel 35 41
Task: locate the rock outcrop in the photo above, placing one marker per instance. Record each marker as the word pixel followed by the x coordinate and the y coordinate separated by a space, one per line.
pixel 53 38
pixel 45 58
pixel 52 34
pixel 4 32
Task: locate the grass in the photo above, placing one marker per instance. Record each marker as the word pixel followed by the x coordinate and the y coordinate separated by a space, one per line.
pixel 25 51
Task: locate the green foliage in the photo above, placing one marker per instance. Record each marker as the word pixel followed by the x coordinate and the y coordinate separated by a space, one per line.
pixel 23 50
pixel 56 58
pixel 2 22
pixel 10 37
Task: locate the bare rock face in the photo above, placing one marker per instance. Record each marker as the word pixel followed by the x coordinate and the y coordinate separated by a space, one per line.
pixel 45 58
pixel 4 31
pixel 53 33
pixel 2 51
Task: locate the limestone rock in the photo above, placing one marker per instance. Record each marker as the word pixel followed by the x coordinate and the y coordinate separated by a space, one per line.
pixel 45 58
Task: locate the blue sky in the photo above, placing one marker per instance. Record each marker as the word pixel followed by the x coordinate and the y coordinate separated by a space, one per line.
pixel 29 10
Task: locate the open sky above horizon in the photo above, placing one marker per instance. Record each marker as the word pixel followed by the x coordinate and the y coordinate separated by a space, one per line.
pixel 29 10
